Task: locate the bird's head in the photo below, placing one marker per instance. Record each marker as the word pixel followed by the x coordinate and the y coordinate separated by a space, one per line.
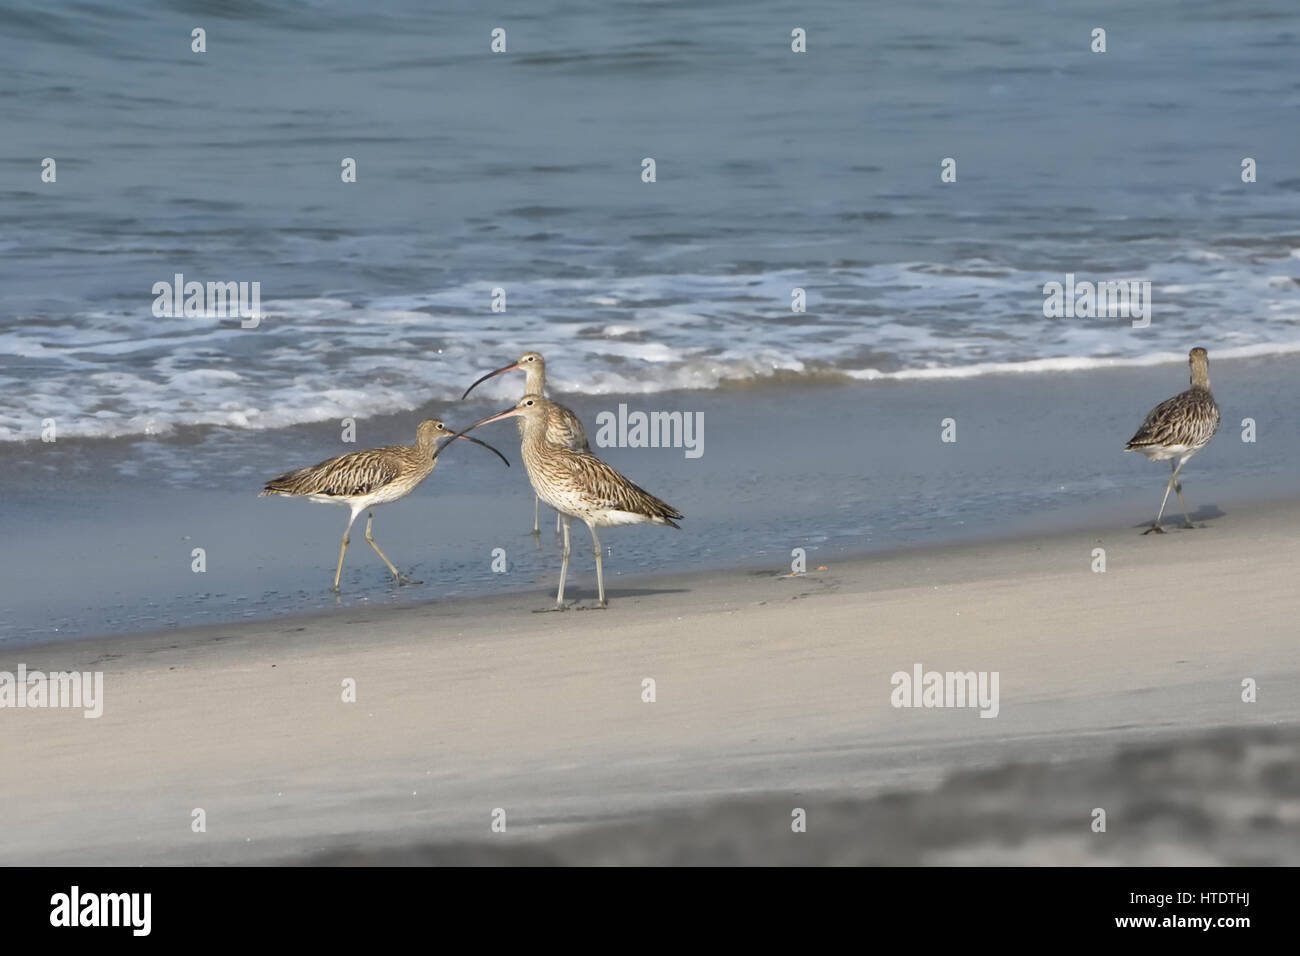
pixel 432 430
pixel 530 363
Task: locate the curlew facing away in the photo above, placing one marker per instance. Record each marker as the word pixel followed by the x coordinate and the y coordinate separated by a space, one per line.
pixel 1177 429
pixel 562 426
pixel 365 479
pixel 579 485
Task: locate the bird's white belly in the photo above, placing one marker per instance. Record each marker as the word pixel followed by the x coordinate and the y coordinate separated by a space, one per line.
pixel 1165 452
pixel 391 492
pixel 328 500
pixel 378 497
pixel 614 518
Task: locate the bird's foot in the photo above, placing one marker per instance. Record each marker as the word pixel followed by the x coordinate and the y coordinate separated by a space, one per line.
pixel 555 607
pixel 403 579
pixel 1156 528
pixel 1189 527
pixel 334 588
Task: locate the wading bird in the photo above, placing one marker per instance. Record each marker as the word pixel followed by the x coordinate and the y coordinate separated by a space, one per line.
pixel 579 485
pixel 1177 429
pixel 364 479
pixel 562 426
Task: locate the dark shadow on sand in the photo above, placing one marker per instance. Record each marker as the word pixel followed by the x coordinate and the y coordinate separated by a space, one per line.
pixel 1168 803
pixel 1174 521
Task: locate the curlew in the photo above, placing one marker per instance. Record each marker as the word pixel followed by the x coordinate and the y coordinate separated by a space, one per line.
pixel 365 479
pixel 579 485
pixel 1177 429
pixel 562 426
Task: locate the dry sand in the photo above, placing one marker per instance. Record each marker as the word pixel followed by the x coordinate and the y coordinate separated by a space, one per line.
pixel 772 693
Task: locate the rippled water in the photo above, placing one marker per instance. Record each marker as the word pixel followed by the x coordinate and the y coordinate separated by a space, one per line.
pixel 522 171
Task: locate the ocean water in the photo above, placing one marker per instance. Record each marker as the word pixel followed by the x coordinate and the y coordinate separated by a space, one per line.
pixel 522 171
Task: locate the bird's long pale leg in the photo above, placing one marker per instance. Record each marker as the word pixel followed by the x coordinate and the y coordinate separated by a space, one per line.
pixel 343 550
pixel 1165 500
pixel 600 572
pixel 564 567
pixel 398 576
pixel 537 510
pixel 1178 490
pixel 557 522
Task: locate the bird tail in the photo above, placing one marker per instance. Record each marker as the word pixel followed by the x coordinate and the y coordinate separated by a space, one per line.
pixel 281 484
pixel 665 512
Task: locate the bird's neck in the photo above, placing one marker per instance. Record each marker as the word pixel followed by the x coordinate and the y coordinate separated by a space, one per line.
pixel 534 427
pixel 1200 376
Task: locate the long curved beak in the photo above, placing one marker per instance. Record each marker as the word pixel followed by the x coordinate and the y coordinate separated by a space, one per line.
pixel 475 441
pixel 509 368
pixel 508 413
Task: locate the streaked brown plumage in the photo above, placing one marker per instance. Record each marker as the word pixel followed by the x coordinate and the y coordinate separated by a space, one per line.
pixel 562 426
pixel 364 479
pixel 579 485
pixel 1177 429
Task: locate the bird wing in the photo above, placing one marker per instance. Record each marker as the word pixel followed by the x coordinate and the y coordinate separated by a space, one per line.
pixel 1189 418
pixel 350 475
pixel 610 490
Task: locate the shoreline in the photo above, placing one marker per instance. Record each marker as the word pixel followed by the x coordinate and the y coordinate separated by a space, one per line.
pixel 841 471
pixel 895 564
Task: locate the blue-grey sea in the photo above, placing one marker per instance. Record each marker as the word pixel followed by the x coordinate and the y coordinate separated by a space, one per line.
pixel 522 171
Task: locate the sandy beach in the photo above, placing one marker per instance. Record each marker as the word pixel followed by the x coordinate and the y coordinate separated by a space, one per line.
pixel 770 690
pixel 914 275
